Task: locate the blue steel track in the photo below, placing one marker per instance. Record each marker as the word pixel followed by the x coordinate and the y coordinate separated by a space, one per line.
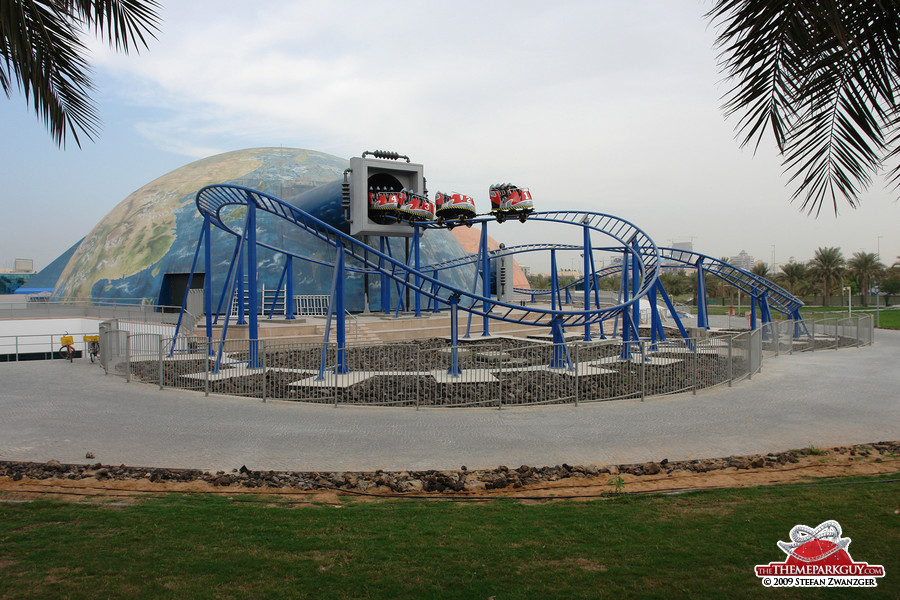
pixel 641 264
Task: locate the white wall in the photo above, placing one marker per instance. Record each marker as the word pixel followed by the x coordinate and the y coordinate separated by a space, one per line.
pixel 42 335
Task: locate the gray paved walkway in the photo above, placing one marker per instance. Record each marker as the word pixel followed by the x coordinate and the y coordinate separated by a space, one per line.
pixel 61 410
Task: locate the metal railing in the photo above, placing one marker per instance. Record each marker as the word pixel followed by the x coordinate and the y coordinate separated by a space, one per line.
pixel 498 373
pixel 133 318
pixel 44 346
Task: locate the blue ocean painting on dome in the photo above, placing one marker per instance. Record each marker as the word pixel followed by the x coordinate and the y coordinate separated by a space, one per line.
pixel 154 232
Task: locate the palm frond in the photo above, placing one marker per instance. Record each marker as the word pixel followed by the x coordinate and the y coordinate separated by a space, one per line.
pixel 821 76
pixel 126 24
pixel 42 51
pixel 835 147
pixel 758 52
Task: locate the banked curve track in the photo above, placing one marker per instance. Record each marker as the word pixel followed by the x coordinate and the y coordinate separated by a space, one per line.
pixel 212 202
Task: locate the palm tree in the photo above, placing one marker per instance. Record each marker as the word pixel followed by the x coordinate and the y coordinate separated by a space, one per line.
pixel 794 273
pixel 822 78
pixel 827 265
pixel 761 269
pixel 42 52
pixel 864 266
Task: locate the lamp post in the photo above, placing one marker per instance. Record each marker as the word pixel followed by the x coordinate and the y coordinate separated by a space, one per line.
pixel 877 305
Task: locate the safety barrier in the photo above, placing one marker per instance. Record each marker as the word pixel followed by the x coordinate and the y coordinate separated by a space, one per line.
pixel 497 373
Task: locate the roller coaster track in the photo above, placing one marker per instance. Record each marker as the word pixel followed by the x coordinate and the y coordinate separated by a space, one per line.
pixel 212 202
pixel 748 282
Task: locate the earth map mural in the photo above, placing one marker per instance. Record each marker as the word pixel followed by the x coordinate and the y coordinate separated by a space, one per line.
pixel 154 231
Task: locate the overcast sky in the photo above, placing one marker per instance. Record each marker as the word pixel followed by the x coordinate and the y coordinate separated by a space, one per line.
pixel 606 106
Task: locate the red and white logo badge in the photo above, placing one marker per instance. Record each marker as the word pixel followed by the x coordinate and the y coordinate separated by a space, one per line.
pixel 818 558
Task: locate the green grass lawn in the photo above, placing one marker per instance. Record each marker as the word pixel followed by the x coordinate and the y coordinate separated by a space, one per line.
pixel 700 545
pixel 887 318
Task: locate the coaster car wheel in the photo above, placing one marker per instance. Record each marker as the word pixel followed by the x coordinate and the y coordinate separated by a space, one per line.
pixel 523 217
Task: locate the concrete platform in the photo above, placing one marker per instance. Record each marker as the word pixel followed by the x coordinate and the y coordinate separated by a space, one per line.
pixel 61 410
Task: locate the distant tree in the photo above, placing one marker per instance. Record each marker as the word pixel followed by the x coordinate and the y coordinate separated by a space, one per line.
pixel 43 52
pixel 822 77
pixel 676 283
pixel 827 266
pixel 538 281
pixel 864 267
pixel 793 274
pixel 891 285
pixel 761 269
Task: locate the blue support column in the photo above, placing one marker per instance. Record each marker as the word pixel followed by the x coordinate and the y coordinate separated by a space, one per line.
pixel 626 296
pixel 554 281
pixel 485 280
pixel 635 287
pixel 655 322
pixel 228 291
pixel 207 278
pixel 239 287
pixel 587 280
pixel 417 265
pixel 454 369
pixel 190 280
pixel 252 283
pixel 799 325
pixel 340 311
pixel 764 308
pixel 753 310
pixel 289 289
pixel 277 294
pixel 560 358
pixel 229 284
pixel 437 304
pixel 671 307
pixel 702 311
pixel 764 314
pixel 385 280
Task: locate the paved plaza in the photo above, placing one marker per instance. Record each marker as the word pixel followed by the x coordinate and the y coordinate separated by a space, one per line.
pixel 61 410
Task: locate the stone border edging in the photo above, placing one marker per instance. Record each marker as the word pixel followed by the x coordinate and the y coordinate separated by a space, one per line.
pixel 440 481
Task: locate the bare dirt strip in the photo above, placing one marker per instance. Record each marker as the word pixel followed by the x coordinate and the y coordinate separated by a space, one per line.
pixel 108 485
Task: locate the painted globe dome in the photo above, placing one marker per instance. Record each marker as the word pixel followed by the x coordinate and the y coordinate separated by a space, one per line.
pixel 142 251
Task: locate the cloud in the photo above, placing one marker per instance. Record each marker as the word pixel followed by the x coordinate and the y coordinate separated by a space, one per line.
pixel 486 72
pixel 608 106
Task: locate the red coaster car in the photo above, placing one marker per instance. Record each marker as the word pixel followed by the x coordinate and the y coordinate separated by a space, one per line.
pixel 510 200
pixel 454 207
pixel 417 208
pixel 385 205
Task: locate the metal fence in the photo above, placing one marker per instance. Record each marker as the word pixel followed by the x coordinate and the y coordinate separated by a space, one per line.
pixel 496 373
pixel 499 373
pixel 43 346
pixel 130 319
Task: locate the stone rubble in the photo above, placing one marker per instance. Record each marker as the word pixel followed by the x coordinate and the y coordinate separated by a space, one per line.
pixel 463 480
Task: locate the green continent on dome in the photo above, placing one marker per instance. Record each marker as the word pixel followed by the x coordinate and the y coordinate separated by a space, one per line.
pixel 141 230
